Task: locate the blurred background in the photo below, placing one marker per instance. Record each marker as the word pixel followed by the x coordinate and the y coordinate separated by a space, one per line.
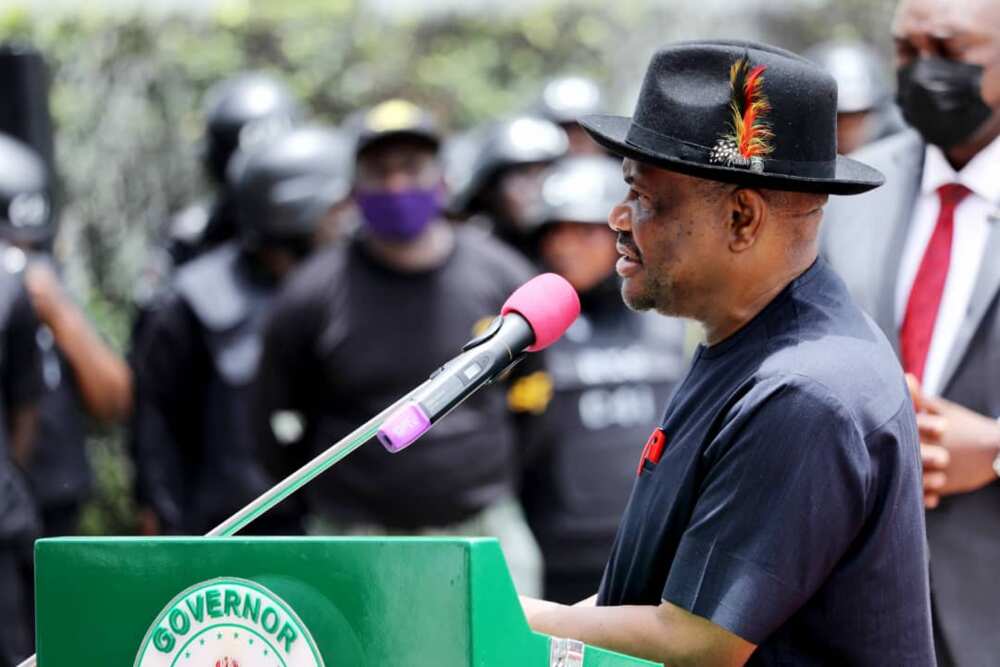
pixel 128 79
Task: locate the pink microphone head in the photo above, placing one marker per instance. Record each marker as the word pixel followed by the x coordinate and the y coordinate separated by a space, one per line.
pixel 548 303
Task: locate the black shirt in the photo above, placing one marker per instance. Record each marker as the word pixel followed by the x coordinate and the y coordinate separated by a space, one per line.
pixel 787 505
pixel 348 336
pixel 20 386
pixel 59 469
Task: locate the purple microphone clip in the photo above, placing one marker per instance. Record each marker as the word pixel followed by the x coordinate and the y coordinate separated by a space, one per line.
pixel 403 427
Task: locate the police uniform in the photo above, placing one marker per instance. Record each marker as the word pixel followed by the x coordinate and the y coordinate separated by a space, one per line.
pixel 25 212
pixel 194 365
pixel 781 499
pixel 58 469
pixel 20 385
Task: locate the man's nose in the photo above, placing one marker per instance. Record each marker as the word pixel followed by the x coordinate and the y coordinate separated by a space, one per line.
pixel 397 180
pixel 620 218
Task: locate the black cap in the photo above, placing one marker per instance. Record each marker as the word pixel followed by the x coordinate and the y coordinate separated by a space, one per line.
pixel 694 101
pixel 393 119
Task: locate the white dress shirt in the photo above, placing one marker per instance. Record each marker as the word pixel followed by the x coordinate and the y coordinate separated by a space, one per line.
pixel 973 218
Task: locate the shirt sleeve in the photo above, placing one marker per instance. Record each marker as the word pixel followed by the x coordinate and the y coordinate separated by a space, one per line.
pixel 782 498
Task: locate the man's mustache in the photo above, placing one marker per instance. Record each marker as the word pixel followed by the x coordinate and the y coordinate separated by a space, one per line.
pixel 626 246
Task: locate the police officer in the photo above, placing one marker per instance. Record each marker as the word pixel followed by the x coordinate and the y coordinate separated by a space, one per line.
pixel 364 322
pixel 611 372
pixel 24 203
pixel 245 109
pixel 865 112
pixel 241 111
pixel 502 192
pixel 564 100
pixel 83 375
pixel 200 351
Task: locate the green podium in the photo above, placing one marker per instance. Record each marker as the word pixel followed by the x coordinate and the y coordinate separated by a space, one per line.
pixel 287 602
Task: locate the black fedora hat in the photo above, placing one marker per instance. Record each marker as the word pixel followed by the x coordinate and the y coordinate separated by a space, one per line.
pixel 737 112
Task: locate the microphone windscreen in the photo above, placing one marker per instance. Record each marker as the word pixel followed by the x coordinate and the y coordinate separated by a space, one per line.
pixel 549 304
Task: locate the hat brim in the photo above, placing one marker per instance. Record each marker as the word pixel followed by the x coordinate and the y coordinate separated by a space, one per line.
pixel 852 177
pixel 368 140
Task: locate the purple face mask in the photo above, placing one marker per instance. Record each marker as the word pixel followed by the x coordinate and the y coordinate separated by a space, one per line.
pixel 399 216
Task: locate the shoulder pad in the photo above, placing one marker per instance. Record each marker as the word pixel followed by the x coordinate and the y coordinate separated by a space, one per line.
pixel 214 289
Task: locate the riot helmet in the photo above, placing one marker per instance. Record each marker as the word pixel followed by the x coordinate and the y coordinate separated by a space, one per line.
pixel 567 98
pixel 284 187
pixel 242 111
pixel 581 189
pixel 862 82
pixel 26 215
pixel 516 142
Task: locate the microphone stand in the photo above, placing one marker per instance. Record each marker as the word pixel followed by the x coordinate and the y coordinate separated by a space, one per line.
pixel 308 472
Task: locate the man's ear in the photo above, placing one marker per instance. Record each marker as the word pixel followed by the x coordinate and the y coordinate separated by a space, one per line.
pixel 747 210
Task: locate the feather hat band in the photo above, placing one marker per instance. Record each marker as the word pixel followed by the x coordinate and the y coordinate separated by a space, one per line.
pixel 737 112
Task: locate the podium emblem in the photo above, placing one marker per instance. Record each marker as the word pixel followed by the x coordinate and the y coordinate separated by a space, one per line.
pixel 228 622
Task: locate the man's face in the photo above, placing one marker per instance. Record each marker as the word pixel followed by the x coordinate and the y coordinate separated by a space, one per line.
pixel 582 253
pixel 671 240
pixel 965 31
pixel 398 165
pixel 518 190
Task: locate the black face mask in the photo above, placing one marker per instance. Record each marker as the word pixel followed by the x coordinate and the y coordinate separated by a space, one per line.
pixel 941 99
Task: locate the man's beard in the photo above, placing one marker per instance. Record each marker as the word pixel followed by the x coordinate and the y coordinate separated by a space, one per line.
pixel 652 296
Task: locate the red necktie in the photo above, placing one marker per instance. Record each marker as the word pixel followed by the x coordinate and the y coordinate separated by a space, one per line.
pixel 928 285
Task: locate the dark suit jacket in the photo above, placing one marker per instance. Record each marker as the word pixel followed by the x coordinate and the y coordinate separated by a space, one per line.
pixel 863 239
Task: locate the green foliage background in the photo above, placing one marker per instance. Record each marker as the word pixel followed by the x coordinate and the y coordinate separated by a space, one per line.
pixel 127 88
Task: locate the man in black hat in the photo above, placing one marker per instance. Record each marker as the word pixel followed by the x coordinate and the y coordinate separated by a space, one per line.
pixel 198 355
pixel 776 516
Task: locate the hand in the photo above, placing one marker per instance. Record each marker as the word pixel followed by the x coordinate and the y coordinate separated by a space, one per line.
pixel 47 296
pixel 149 523
pixel 534 607
pixel 958 446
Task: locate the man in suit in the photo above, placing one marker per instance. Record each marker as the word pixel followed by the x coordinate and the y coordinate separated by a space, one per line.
pixel 921 255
